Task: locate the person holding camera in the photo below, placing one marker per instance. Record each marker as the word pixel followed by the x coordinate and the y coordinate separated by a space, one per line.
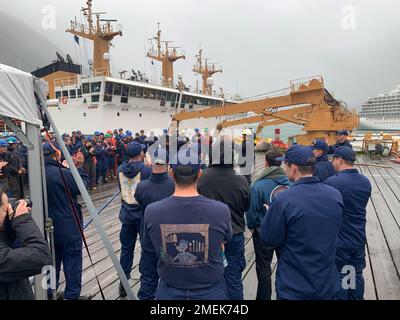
pixel 32 254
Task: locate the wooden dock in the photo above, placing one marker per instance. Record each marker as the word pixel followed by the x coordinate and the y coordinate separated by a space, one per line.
pixel 382 274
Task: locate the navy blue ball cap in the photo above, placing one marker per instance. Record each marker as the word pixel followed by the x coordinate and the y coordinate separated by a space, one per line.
pixel 299 155
pixel 345 153
pixel 320 145
pixel 48 149
pixel 134 149
pixel 186 159
pixel 342 133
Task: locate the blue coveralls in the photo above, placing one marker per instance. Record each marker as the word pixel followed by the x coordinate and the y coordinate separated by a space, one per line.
pixel 67 239
pixel 302 223
pixel 356 191
pixel 101 162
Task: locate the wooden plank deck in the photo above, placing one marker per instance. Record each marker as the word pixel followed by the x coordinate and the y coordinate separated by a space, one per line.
pixel 382 273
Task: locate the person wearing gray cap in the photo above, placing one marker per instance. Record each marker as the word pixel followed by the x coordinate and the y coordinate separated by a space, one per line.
pixel 356 191
pixel 158 187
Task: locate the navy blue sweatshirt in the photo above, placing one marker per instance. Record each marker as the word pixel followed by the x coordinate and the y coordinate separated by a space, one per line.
pixel 187 234
pixel 324 168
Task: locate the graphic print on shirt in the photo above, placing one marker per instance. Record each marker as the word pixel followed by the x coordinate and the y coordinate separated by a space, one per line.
pixel 128 188
pixel 185 245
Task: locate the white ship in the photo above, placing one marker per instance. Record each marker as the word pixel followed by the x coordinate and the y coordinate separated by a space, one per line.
pixel 381 112
pixel 97 101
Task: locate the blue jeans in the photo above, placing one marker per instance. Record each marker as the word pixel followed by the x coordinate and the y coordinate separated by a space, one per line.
pixel 234 252
pixel 356 258
pixel 128 237
pixel 216 292
pixel 70 256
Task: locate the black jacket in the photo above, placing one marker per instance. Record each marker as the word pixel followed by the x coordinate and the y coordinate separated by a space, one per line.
pixel 221 183
pixel 17 265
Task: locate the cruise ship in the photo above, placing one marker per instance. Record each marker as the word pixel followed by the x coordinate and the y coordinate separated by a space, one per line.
pixel 381 112
pixel 96 100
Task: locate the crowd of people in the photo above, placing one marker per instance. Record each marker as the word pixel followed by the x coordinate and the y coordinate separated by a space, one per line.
pixel 190 208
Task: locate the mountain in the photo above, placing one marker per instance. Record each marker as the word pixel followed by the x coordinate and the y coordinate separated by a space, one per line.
pixel 19 43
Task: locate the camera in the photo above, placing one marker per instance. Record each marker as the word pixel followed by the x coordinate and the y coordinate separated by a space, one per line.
pixel 14 203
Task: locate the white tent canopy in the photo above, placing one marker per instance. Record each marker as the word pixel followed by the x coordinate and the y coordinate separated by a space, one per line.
pixel 17 98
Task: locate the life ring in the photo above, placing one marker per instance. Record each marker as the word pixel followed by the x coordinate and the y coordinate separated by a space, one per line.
pixel 64 100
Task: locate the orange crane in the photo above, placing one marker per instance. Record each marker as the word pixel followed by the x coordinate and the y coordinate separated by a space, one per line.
pixel 308 104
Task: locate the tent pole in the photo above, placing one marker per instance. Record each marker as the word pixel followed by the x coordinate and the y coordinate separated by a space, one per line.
pixel 90 206
pixel 36 193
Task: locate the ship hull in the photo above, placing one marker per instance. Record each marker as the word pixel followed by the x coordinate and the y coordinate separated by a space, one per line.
pixel 380 124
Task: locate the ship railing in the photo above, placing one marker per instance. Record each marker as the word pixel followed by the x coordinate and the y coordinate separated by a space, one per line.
pixel 307 84
pixel 65 82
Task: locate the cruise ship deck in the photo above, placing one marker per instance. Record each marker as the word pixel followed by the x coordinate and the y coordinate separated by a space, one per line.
pixel 382 273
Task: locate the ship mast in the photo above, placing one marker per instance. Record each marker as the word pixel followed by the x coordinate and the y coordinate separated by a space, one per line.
pixel 101 35
pixel 206 71
pixel 167 58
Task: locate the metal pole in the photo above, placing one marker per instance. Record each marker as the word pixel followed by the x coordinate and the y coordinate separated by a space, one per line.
pixel 91 207
pixel 35 185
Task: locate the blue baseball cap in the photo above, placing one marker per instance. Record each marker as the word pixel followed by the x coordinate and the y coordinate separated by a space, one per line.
pixel 345 153
pixel 134 149
pixel 186 159
pixel 165 130
pixel 3 143
pixel 48 150
pixel 123 136
pixel 320 145
pixel 97 133
pixel 196 130
pixel 299 155
pixel 129 133
pixel 160 156
pixel 343 132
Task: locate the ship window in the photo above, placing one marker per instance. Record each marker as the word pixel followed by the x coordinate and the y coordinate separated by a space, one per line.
pixel 125 91
pixel 84 114
pixel 152 94
pixel 163 95
pixel 109 88
pixel 117 89
pixel 58 94
pixel 85 88
pixel 118 114
pixel 95 98
pixel 96 86
pixel 158 95
pixel 140 92
pixel 133 91
pixel 79 93
pixel 173 97
pixel 140 115
pixel 107 98
pixel 168 96
pixel 124 100
pixel 72 94
pixel 146 93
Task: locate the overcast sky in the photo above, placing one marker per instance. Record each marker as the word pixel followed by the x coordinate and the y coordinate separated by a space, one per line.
pixel 261 44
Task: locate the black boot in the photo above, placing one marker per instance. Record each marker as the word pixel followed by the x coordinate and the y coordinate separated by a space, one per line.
pixel 122 291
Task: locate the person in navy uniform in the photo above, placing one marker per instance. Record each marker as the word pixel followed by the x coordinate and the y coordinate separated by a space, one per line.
pixel 341 141
pixel 130 173
pixel 158 187
pixel 187 232
pixel 67 238
pixel 356 191
pixel 323 168
pixel 302 224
